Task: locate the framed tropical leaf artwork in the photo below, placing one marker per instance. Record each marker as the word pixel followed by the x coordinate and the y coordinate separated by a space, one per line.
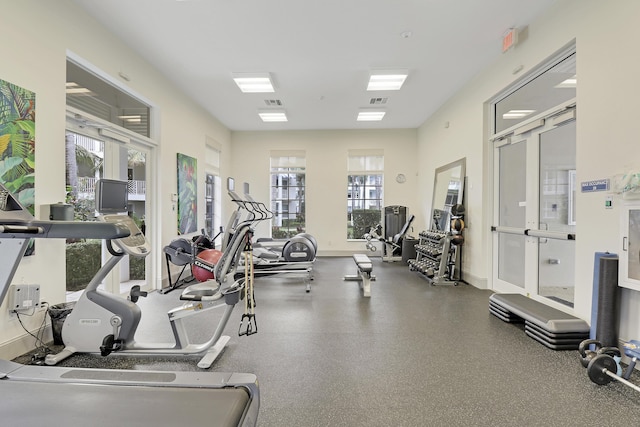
pixel 17 143
pixel 187 194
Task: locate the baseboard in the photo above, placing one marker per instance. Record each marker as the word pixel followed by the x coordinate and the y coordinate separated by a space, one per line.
pixel 340 253
pixel 23 344
pixel 474 281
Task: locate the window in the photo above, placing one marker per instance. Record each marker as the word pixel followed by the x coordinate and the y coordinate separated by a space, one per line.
pixel 287 193
pixel 549 86
pixel 213 191
pixel 94 95
pixel 364 192
pixel 107 137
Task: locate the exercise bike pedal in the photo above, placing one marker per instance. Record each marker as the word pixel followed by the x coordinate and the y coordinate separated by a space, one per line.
pixel 109 345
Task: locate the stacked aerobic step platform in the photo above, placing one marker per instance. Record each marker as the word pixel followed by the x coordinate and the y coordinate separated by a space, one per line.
pixel 547 325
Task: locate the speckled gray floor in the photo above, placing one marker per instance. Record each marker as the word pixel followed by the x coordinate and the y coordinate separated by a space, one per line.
pixel 411 355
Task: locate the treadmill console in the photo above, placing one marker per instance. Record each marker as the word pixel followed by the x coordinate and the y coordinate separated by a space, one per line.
pixel 136 243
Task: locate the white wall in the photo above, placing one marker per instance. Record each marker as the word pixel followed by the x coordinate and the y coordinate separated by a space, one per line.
pixel 326 176
pixel 607 131
pixel 38 35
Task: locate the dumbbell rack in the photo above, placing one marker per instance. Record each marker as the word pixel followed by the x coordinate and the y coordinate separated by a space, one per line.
pixel 437 260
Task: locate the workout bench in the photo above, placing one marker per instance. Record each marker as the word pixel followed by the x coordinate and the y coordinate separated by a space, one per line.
pixel 364 276
pixel 547 325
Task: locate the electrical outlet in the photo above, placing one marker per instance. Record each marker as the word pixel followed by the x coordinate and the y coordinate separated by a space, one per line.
pixel 24 297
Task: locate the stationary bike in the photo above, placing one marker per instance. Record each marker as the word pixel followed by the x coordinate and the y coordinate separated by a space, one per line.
pixel 105 323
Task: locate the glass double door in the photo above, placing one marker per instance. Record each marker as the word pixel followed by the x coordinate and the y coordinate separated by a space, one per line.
pixel 534 211
pixel 91 157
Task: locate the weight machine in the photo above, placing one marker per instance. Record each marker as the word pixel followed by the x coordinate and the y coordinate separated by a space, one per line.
pixel 392 246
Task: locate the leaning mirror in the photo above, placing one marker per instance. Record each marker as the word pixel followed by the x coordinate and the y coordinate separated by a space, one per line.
pixel 448 189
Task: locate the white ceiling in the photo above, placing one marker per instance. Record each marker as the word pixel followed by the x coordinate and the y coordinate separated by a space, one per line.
pixel 319 52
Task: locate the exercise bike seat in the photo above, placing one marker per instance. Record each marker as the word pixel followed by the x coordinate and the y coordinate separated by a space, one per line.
pixel 204 291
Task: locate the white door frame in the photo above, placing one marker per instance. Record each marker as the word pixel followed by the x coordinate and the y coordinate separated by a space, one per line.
pixel 86 124
pixel 529 132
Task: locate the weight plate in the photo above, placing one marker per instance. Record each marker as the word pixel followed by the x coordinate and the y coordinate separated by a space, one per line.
pixel 598 366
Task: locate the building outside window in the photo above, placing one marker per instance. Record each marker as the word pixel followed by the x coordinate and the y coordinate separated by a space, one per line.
pixel 364 191
pixel 287 194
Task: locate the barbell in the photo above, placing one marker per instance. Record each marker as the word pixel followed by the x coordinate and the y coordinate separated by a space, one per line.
pixel 602 368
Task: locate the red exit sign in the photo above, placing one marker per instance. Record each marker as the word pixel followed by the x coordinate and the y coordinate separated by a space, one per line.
pixel 510 39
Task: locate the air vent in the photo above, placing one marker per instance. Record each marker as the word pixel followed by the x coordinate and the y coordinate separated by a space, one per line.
pixel 378 101
pixel 273 102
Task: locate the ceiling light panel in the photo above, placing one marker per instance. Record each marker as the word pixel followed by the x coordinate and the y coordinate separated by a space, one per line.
pixel 569 83
pixel 387 80
pixel 254 82
pixel 132 118
pixel 74 88
pixel 273 116
pixel 370 116
pixel 517 114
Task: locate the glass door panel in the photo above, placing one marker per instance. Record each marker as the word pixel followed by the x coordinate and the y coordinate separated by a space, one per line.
pixel 513 186
pixel 84 166
pixel 511 259
pixel 556 268
pixel 556 258
pixel 512 209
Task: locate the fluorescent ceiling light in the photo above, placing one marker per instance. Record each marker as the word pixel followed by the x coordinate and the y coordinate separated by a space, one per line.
pixel 78 91
pixel 568 83
pixel 273 116
pixel 74 88
pixel 370 116
pixel 134 118
pixel 254 82
pixel 386 80
pixel 517 114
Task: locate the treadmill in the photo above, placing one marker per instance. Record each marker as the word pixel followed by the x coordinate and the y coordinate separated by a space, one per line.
pixel 34 395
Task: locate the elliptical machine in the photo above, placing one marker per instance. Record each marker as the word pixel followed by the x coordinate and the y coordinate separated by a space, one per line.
pixel 105 323
pixel 294 259
pixel 301 247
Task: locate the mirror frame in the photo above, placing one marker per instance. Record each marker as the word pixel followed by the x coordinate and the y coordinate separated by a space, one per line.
pixel 444 172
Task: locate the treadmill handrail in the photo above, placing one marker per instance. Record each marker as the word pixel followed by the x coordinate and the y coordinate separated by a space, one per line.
pixel 21 229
